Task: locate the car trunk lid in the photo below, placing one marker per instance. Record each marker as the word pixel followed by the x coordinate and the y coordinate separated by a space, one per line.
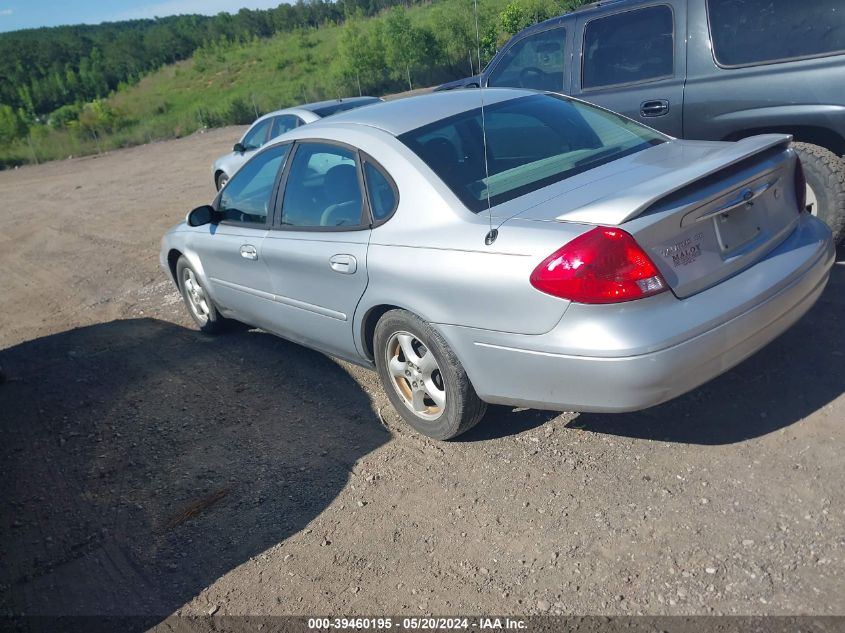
pixel 703 211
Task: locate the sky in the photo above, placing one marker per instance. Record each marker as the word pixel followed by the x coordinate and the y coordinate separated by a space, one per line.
pixel 26 14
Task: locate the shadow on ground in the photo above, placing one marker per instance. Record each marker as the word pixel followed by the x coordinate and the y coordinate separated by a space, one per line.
pixel 142 461
pixel 794 376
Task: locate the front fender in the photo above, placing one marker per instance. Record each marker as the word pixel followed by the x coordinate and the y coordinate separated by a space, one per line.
pixel 178 240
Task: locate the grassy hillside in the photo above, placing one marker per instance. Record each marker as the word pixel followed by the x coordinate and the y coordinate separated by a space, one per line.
pixel 229 83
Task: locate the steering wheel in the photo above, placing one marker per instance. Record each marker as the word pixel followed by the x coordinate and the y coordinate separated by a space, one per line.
pixel 531 77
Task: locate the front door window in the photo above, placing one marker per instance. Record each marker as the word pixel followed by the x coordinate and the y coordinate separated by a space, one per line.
pixel 246 199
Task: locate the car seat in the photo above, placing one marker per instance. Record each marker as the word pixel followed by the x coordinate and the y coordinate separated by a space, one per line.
pixel 344 193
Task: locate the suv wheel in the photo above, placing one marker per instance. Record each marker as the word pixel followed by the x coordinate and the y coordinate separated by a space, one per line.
pixel 825 173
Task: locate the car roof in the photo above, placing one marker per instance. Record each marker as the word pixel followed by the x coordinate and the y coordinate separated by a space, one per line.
pixel 402 115
pixel 308 109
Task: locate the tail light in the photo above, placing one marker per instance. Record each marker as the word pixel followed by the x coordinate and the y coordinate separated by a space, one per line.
pixel 800 186
pixel 604 265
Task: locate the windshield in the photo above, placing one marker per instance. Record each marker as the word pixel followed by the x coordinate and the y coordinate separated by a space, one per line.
pixel 532 142
pixel 343 106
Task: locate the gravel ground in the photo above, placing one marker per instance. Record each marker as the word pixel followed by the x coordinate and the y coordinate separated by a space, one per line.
pixel 148 469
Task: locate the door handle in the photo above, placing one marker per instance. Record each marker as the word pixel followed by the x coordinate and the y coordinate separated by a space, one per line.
pixel 658 107
pixel 346 264
pixel 248 252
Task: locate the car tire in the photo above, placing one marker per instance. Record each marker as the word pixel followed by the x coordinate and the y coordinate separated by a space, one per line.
pixel 825 174
pixel 221 179
pixel 429 367
pixel 196 298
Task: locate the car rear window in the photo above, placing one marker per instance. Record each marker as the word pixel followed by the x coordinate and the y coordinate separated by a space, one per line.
pixel 761 31
pixel 343 106
pixel 531 141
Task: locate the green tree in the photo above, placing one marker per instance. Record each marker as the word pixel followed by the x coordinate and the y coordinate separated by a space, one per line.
pixel 457 32
pixel 12 125
pixel 522 13
pixel 96 119
pixel 63 116
pixel 407 45
pixel 353 50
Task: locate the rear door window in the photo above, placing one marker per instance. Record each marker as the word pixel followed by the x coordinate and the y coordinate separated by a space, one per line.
pixel 323 189
pixel 535 61
pixel 628 47
pixel 761 31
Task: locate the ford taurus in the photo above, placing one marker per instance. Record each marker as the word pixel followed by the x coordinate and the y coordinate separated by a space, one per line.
pixel 508 246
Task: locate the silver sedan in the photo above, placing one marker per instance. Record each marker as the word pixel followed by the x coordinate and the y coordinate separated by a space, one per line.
pixel 533 251
pixel 273 125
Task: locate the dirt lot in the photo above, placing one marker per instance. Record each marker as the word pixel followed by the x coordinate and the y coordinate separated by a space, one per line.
pixel 147 469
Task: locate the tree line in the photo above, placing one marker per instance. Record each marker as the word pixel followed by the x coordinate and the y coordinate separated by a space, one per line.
pixel 46 68
pixel 62 80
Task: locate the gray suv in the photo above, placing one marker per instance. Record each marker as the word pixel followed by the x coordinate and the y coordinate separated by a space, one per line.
pixel 702 69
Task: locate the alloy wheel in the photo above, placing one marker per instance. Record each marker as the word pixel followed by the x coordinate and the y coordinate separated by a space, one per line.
pixel 415 375
pixel 194 293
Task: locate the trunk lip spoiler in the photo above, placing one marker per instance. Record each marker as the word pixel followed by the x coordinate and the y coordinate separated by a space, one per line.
pixel 609 210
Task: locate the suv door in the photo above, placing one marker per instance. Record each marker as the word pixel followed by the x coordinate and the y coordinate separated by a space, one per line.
pixel 317 250
pixel 230 251
pixel 633 61
pixel 759 66
pixel 537 61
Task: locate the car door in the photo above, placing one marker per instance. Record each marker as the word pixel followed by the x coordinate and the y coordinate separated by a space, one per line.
pixel 231 250
pixel 539 60
pixel 317 248
pixel 633 62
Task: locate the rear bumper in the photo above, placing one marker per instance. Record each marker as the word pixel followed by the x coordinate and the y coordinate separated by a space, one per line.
pixel 631 356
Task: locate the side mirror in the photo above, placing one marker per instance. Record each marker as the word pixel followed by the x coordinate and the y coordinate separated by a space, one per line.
pixel 202 215
pixel 239 148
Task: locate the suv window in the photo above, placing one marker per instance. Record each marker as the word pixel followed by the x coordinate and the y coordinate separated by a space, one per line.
pixel 535 62
pixel 628 47
pixel 283 123
pixel 758 31
pixel 322 188
pixel 256 136
pixel 246 197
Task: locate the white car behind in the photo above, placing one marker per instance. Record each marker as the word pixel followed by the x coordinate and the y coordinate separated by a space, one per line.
pixel 275 124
